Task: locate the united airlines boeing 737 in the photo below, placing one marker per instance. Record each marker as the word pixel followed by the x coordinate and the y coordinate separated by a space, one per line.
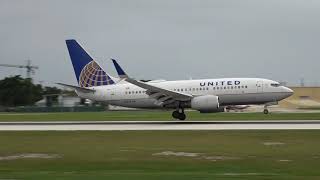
pixel 204 95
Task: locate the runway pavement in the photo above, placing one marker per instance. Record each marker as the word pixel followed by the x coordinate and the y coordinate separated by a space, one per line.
pixel 159 125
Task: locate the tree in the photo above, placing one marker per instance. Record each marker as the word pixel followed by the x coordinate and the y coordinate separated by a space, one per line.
pixel 17 91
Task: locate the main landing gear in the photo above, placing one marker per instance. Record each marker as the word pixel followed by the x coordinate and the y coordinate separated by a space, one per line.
pixel 179 114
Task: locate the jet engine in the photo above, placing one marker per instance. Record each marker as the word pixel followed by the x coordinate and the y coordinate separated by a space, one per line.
pixel 206 104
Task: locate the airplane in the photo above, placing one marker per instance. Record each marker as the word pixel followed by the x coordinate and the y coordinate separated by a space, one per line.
pixel 203 95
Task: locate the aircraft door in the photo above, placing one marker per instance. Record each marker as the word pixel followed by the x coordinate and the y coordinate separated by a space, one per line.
pixel 259 86
pixel 110 94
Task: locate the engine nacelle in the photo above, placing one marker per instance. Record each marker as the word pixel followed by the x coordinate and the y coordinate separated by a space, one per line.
pixel 206 104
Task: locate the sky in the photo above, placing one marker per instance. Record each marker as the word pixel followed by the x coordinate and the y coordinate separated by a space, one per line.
pixel 165 39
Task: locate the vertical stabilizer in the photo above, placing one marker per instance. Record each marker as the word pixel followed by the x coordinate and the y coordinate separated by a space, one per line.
pixel 87 71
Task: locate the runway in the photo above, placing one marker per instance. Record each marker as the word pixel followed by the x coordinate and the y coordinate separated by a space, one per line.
pixel 159 125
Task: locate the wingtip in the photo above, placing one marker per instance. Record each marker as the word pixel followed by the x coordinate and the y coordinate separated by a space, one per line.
pixel 119 70
pixel 71 40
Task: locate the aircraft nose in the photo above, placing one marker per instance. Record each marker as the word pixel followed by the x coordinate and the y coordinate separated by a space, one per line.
pixel 288 91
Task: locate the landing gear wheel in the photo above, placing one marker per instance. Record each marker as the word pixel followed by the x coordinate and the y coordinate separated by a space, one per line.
pixel 178 115
pixel 182 116
pixel 265 111
pixel 175 114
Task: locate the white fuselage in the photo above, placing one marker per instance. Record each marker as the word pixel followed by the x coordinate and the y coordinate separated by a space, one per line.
pixel 231 91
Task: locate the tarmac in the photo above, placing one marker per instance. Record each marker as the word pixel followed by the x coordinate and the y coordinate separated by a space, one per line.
pixel 160 125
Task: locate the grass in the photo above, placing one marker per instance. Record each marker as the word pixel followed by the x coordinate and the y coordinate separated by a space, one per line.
pixel 129 155
pixel 151 115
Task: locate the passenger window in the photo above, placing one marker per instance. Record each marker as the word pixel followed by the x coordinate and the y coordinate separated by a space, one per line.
pixel 181 90
pixel 207 88
pixel 197 89
pixel 239 87
pixel 246 86
pixel 224 88
pixel 129 92
pixel 214 88
pixel 231 87
pixel 193 89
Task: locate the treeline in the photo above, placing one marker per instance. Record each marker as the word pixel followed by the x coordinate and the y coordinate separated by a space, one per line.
pixel 18 91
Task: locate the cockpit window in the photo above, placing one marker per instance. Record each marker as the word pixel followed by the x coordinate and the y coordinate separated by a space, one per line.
pixel 275 84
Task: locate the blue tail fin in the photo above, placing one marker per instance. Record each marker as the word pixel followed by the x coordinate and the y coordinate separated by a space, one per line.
pixel 87 71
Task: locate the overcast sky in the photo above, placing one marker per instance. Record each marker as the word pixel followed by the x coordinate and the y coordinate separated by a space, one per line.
pixel 166 39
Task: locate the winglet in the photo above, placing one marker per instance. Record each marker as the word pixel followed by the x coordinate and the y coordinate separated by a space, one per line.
pixel 120 71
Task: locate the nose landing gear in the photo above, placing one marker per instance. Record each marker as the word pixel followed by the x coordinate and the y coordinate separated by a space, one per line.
pixel 265 110
pixel 179 114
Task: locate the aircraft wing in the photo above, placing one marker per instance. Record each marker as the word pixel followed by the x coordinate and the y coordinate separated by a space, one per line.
pixel 80 89
pixel 163 96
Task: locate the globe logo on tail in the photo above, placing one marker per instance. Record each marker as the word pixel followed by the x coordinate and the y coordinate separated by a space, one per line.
pixel 92 75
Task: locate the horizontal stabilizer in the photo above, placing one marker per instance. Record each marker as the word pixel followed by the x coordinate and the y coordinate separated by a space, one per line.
pixel 80 89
